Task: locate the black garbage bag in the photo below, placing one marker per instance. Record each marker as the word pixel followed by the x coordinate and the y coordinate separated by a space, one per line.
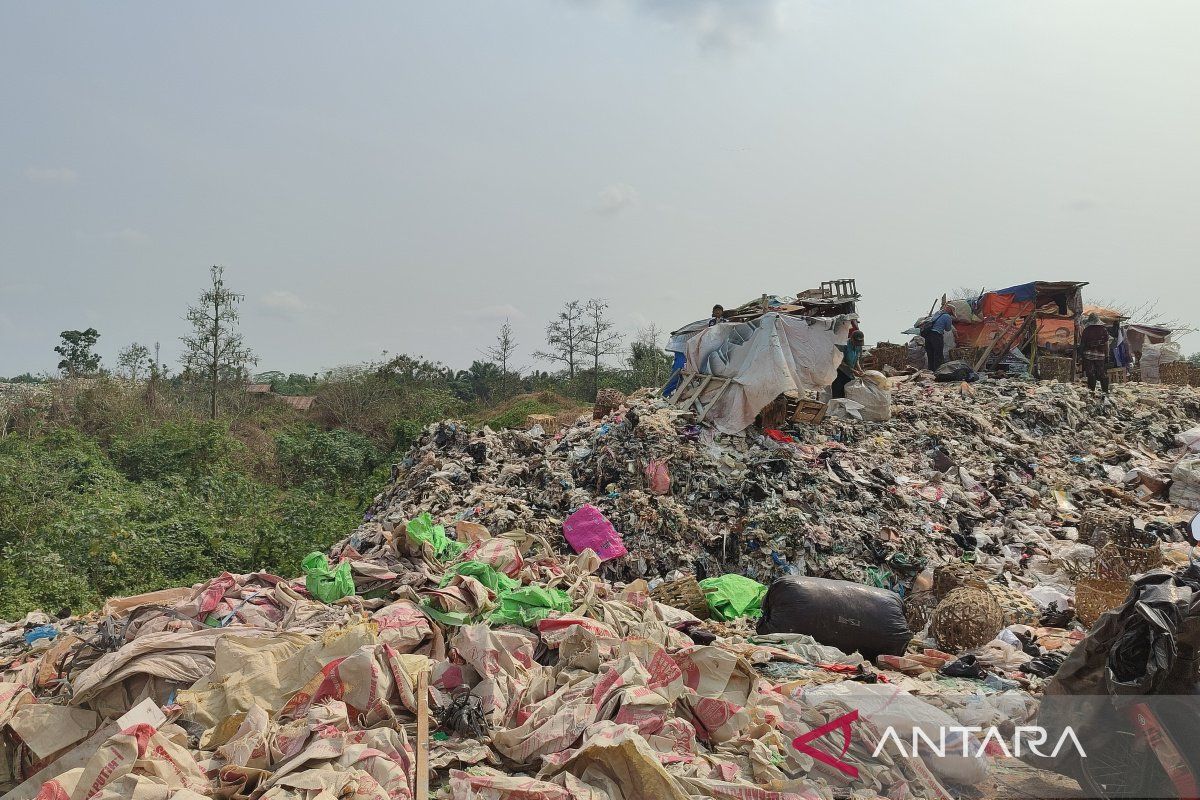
pixel 954 371
pixel 1132 652
pixel 841 614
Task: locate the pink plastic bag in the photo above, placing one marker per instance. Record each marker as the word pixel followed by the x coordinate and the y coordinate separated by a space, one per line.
pixel 587 527
pixel 658 477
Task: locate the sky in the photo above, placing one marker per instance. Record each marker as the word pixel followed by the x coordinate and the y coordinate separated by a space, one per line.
pixel 404 177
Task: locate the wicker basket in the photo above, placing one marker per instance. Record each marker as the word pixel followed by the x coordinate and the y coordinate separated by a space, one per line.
pixel 684 593
pixel 1176 373
pixel 890 355
pixel 948 577
pixel 1096 527
pixel 1094 596
pixel 967 354
pixel 1117 375
pixel 607 401
pixel 1054 368
pixel 1018 609
pixel 967 618
pixel 918 609
pixel 1117 562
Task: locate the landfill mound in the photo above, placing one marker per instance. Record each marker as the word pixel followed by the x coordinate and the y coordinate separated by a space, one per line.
pixel 455 640
pixel 956 468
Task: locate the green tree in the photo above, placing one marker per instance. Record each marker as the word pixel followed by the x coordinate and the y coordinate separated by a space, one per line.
pixel 133 360
pixel 648 364
pixel 78 360
pixel 214 355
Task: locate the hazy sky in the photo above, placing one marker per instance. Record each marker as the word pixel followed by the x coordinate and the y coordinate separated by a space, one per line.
pixel 404 176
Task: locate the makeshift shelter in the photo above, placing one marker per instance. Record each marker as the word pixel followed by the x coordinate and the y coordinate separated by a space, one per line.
pixel 735 369
pixel 1041 317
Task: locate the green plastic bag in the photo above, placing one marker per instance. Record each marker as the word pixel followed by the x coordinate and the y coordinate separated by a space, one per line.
pixel 423 530
pixel 498 582
pixel 527 606
pixel 324 583
pixel 733 596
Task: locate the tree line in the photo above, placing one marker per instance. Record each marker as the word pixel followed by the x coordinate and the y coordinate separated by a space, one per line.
pixel 582 343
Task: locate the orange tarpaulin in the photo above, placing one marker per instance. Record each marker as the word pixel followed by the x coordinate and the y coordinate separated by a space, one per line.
pixel 1003 305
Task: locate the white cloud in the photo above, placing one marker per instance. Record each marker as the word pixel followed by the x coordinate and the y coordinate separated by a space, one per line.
pixel 616 198
pixel 284 302
pixel 716 24
pixel 128 236
pixel 52 175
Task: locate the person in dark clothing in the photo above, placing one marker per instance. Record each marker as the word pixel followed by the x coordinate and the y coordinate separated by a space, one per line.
pixel 849 369
pixel 718 315
pixel 934 333
pixel 1094 343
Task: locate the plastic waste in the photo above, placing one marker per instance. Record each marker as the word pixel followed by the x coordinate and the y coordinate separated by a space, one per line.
pixel 589 528
pixel 323 583
pixel 876 402
pixel 422 529
pixel 733 596
pixel 845 615
pixel 889 706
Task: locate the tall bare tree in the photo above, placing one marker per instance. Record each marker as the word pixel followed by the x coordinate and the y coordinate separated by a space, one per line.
pixel 564 338
pixel 501 354
pixel 600 338
pixel 502 351
pixel 214 354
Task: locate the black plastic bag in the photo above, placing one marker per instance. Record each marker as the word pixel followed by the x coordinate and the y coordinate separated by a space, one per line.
pixel 841 614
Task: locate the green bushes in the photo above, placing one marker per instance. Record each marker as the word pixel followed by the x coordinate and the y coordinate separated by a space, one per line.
pixel 162 507
pixel 330 459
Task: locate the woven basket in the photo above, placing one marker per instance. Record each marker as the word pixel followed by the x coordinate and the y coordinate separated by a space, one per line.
pixel 948 577
pixel 1096 527
pixel 967 618
pixel 1176 373
pixel 1094 596
pixel 1054 368
pixel 1115 562
pixel 1018 609
pixel 918 609
pixel 684 593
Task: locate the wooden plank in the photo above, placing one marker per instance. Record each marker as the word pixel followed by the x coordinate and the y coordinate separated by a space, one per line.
pixel 681 389
pixel 704 411
pixel 422 753
pixel 696 395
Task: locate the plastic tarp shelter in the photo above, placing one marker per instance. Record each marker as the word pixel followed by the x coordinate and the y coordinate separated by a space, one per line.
pixel 764 357
pixel 1001 312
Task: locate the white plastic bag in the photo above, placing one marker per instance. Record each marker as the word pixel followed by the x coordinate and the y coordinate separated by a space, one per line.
pixel 1190 439
pixel 889 706
pixel 1185 491
pixel 876 402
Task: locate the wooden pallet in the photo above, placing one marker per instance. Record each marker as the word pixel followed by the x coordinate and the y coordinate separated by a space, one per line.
pixel 692 386
pixel 810 412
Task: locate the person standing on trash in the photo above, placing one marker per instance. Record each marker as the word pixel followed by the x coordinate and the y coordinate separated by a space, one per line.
pixel 849 369
pixel 1094 343
pixel 934 333
pixel 718 315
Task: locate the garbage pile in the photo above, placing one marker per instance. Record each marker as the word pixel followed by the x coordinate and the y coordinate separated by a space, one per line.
pixel 497 628
pixel 989 470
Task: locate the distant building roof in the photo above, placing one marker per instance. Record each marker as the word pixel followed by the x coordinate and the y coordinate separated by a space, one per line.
pixel 258 388
pixel 298 402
